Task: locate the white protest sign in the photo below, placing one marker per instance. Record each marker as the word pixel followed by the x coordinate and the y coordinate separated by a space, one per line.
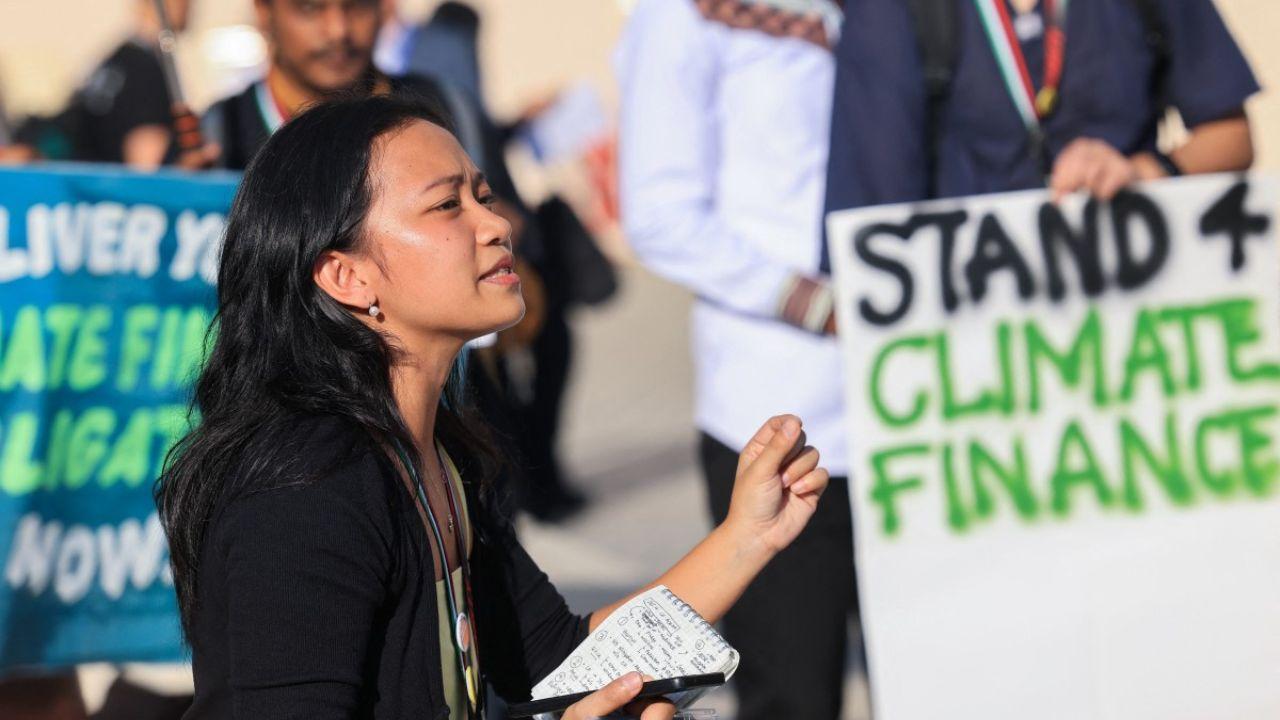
pixel 1065 425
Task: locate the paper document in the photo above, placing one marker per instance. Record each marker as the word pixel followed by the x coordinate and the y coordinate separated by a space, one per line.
pixel 656 633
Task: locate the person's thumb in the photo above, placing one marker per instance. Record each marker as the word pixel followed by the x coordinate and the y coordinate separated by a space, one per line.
pixel 770 460
pixel 607 699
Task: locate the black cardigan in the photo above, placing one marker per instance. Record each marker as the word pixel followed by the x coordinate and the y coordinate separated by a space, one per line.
pixel 317 600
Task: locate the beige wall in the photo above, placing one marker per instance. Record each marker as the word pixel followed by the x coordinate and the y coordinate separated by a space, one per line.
pixel 1256 24
pixel 530 47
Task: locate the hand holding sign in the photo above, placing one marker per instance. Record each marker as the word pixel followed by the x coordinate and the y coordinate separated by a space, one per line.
pixel 1092 165
pixel 1064 420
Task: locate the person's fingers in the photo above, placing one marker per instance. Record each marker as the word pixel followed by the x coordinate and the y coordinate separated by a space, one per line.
pixel 771 427
pixel 801 465
pixel 607 699
pixel 1096 171
pixel 1106 184
pixel 757 443
pixel 1079 166
pixel 777 450
pixel 797 446
pixel 815 483
pixel 1119 174
pixel 658 710
pixel 1067 175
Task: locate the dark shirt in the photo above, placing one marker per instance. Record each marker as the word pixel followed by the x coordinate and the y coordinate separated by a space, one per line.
pixel 239 125
pixel 125 92
pixel 317 599
pixel 1108 92
pixel 6 133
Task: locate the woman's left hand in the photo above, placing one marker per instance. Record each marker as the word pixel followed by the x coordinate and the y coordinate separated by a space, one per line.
pixel 618 694
pixel 778 484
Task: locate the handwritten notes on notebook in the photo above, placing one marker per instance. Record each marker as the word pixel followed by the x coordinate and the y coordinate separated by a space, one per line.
pixel 656 633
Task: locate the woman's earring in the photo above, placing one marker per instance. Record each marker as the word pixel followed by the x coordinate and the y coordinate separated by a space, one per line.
pixel 374 311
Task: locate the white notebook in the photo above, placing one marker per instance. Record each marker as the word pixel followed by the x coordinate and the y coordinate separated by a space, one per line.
pixel 656 633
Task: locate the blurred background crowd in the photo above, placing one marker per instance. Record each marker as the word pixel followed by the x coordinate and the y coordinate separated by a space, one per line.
pixel 619 411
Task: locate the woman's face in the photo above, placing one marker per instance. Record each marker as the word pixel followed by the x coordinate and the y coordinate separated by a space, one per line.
pixel 442 256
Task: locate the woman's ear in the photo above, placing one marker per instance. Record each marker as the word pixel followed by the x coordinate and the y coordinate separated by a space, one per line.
pixel 340 275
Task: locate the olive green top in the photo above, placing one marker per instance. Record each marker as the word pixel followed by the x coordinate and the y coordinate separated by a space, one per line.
pixel 455 688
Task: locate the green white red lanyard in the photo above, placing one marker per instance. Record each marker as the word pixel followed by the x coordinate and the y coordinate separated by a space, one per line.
pixel 1032 107
pixel 272 114
pixel 463 627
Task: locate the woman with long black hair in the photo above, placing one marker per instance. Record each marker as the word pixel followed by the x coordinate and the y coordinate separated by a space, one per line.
pixel 335 550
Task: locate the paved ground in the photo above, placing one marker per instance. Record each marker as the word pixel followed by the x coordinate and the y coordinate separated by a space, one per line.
pixel 629 441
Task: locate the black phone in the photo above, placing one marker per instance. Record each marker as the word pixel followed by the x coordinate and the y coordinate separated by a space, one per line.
pixel 653 688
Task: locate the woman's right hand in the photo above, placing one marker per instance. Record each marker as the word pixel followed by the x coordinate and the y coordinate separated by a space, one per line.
pixel 618 695
pixel 777 487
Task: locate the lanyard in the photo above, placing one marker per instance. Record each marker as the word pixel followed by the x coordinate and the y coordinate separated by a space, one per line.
pixel 463 630
pixel 1032 107
pixel 272 114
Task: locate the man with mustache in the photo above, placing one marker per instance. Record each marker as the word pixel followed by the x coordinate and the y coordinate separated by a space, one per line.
pixel 317 48
pixel 320 48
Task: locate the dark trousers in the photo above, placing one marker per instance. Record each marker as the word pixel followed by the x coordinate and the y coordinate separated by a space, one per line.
pixel 791 625
pixel 552 357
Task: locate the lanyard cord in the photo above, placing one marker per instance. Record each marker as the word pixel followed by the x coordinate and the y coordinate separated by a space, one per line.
pixel 271 112
pixel 463 636
pixel 1032 107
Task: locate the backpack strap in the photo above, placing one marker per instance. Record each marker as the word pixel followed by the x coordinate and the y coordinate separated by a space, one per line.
pixel 936 30
pixel 1156 35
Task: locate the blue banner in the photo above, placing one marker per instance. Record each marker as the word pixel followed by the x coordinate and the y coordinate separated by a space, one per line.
pixel 106 293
